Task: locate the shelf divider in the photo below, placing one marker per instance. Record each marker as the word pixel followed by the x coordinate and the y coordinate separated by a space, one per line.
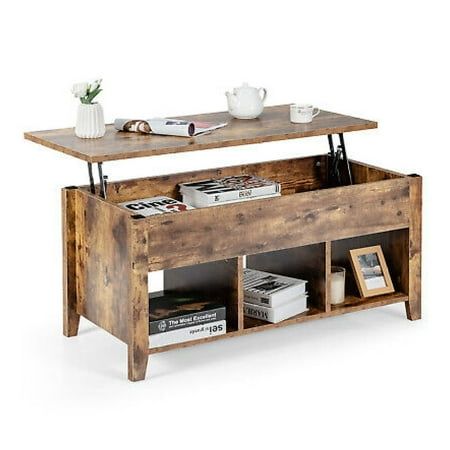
pixel 327 276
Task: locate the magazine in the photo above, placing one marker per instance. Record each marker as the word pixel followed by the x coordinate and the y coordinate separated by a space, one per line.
pixel 153 206
pixel 232 188
pixel 168 127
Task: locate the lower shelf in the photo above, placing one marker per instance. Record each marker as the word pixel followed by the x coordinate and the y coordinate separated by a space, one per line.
pixel 351 304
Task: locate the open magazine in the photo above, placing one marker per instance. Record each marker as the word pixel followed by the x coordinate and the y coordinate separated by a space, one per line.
pixel 168 127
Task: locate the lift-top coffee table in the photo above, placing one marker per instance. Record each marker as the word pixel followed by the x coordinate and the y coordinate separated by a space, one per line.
pixel 108 252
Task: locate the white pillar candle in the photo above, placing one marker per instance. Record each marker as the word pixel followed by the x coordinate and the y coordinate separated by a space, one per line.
pixel 337 289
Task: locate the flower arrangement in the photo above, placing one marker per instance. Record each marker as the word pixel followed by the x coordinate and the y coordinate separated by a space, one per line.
pixel 86 92
pixel 90 119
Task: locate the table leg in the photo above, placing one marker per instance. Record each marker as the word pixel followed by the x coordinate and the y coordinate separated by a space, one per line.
pixel 138 343
pixel 71 318
pixel 413 305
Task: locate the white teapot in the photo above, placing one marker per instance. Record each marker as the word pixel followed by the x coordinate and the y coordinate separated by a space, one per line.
pixel 246 102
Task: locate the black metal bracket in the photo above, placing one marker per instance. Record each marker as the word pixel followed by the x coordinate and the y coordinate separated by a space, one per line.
pixel 103 179
pixel 337 157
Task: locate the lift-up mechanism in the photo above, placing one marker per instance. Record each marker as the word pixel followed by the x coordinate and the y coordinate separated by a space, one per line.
pixel 337 159
pixel 103 179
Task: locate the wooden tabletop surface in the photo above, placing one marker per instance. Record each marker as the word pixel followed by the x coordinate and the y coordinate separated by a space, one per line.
pixel 272 125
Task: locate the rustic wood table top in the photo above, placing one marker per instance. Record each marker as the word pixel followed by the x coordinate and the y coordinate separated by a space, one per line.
pixel 272 125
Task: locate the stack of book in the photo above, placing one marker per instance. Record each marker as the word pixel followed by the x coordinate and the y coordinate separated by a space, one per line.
pixel 204 193
pixel 152 206
pixel 272 297
pixel 178 318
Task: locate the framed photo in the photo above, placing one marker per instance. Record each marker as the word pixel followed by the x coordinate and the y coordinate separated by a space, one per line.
pixel 371 272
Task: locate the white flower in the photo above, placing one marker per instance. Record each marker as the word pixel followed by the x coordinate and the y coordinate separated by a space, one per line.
pixel 93 86
pixel 80 89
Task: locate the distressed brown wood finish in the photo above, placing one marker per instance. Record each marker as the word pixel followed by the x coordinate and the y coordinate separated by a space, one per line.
pixel 103 239
pixel 414 304
pixel 138 325
pixel 276 223
pixel 295 175
pixel 272 125
pixel 108 252
pixel 366 173
pixel 71 318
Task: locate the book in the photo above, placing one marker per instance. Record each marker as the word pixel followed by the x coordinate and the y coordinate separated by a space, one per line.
pixel 296 306
pixel 169 311
pixel 188 334
pixel 269 289
pixel 152 206
pixel 188 199
pixel 232 188
pixel 168 127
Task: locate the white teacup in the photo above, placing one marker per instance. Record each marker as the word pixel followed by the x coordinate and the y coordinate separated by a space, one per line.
pixel 303 113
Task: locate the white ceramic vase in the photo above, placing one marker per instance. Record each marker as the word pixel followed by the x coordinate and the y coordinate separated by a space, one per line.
pixel 90 121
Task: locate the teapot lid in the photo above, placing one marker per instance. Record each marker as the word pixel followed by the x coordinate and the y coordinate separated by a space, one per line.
pixel 245 87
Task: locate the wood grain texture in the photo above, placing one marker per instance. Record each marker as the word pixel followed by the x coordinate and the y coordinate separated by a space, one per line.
pixel 218 281
pixel 103 271
pixel 265 225
pixel 414 305
pixel 272 125
pixel 295 175
pixel 352 304
pixel 307 263
pixel 366 173
pixel 138 319
pixel 71 318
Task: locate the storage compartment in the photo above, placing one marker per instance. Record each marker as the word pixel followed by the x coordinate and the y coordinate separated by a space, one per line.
pixel 308 212
pixel 216 283
pixel 295 175
pixel 395 247
pixel 307 263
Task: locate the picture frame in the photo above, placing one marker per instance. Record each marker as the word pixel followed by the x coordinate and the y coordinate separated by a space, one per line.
pixel 371 271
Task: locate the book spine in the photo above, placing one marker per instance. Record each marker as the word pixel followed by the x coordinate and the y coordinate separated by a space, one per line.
pixel 207 198
pixel 273 301
pixel 187 320
pixel 241 194
pixel 263 300
pixel 276 314
pixel 187 198
pixel 257 312
pixel 189 334
pixel 255 297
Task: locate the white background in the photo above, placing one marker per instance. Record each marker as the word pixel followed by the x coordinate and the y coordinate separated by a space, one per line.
pixel 370 380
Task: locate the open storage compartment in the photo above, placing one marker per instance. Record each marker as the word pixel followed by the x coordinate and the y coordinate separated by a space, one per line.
pixel 307 262
pixel 216 282
pixel 395 247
